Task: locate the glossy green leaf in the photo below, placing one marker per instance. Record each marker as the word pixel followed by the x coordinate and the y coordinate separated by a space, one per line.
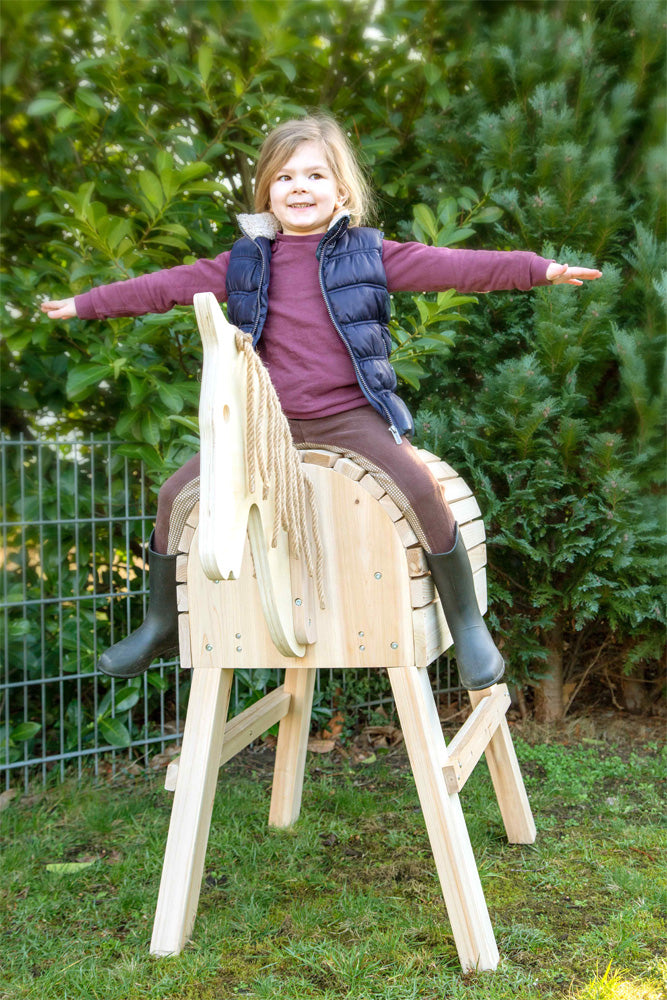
pixel 205 61
pixel 114 732
pixel 126 698
pixel 424 216
pixel 151 187
pixel 43 106
pixel 82 378
pixel 25 731
pixel 287 66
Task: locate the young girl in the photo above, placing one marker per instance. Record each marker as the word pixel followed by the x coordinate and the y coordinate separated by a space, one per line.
pixel 311 286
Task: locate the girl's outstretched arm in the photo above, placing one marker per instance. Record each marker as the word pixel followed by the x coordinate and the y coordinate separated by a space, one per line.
pixel 59 308
pixel 154 292
pixel 563 274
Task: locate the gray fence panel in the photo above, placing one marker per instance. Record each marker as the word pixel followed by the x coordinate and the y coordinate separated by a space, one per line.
pixel 76 516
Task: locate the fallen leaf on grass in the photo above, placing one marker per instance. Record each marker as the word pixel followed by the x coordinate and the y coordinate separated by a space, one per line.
pixel 69 867
pixel 164 759
pixel 6 798
pixel 334 726
pixel 321 746
pixel 383 737
pixel 352 852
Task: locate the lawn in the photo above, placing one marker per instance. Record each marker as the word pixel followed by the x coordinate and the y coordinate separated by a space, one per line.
pixel 347 904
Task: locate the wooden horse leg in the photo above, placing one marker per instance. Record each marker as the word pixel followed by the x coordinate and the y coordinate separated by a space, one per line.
pixel 292 747
pixel 185 852
pixel 448 834
pixel 508 782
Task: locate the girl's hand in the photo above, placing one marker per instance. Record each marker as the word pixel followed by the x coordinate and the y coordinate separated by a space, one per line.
pixel 563 274
pixel 59 308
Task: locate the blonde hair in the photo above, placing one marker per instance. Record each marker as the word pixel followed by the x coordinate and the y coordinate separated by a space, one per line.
pixel 282 142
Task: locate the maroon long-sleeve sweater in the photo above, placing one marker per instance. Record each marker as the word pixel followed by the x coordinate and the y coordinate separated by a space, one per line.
pixel 308 363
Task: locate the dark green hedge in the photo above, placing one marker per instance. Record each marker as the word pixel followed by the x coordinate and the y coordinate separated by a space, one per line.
pixel 130 130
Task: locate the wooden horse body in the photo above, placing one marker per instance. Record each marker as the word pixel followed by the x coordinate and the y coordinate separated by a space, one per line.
pixel 244 602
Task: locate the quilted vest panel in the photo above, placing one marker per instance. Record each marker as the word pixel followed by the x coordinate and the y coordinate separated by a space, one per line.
pixel 354 286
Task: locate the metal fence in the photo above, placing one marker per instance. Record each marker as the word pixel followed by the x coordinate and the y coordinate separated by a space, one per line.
pixel 76 515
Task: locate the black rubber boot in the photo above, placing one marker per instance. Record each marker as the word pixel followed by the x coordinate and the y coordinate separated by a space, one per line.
pixel 479 662
pixel 158 634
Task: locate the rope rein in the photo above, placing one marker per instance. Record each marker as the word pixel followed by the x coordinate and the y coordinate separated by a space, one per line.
pixel 270 453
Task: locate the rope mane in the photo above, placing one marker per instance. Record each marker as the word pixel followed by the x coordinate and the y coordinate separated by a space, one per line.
pixel 270 453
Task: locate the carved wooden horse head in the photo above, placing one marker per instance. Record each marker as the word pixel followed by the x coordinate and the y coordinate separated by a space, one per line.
pixel 251 481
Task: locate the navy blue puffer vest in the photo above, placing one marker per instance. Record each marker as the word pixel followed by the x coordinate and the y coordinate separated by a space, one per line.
pixel 354 286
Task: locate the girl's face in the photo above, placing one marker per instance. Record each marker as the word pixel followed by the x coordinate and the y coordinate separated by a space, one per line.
pixel 304 194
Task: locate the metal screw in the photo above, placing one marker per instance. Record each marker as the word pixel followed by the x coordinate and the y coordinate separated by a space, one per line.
pixel 361 635
pixel 394 645
pixel 238 635
pixel 362 648
pixel 239 649
pixel 378 576
pixel 209 647
pixel 298 602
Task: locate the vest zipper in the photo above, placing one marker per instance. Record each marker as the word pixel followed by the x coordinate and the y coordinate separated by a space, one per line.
pixel 260 286
pixel 393 430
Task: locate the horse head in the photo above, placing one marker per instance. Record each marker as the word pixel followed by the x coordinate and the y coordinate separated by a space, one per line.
pixel 244 494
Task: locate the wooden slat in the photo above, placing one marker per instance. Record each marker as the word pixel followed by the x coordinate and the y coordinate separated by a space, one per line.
pixel 186 538
pixel 291 749
pixel 508 784
pixel 193 517
pixel 432 637
pixel 480 590
pixel 422 591
pixel 455 489
pixel 417 564
pixel 465 510
pixel 431 634
pixel 427 456
pixel 371 485
pixel 245 727
pixel 390 507
pixel 405 532
pixel 191 812
pixel 185 650
pixel 181 568
pixel 442 471
pixel 254 721
pixel 182 597
pixel 347 467
pixel 474 736
pixel 452 851
pixel 472 533
pixel 319 456
pixel 477 556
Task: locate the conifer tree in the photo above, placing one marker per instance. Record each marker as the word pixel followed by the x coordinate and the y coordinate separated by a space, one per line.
pixel 555 400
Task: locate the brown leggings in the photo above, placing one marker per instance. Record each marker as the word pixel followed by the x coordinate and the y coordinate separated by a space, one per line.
pixel 362 434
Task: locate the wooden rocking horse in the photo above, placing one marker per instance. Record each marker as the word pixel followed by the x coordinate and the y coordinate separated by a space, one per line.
pixel 302 560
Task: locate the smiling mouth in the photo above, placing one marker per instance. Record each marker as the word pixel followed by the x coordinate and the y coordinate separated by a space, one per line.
pixel 302 204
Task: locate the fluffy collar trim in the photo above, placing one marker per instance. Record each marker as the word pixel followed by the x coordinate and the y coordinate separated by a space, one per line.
pixel 266 224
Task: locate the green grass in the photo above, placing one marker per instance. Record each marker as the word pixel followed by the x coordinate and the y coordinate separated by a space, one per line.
pixel 347 904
